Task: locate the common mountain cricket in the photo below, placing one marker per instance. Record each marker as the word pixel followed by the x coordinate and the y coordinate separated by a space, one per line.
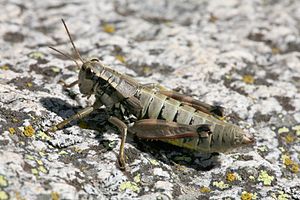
pixel 159 114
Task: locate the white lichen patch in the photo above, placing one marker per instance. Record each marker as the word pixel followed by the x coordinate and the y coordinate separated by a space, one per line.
pixel 160 172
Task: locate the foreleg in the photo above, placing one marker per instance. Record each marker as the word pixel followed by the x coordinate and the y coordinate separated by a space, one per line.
pixel 82 113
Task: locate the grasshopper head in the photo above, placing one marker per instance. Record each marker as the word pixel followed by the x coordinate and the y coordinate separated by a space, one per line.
pixel 88 76
pixel 88 71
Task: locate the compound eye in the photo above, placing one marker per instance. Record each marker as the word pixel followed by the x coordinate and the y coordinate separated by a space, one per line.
pixel 89 73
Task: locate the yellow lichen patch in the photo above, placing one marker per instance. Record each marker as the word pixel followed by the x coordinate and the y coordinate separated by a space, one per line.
pixel 153 162
pixel 63 153
pixel 130 186
pixel 29 157
pixel 3 195
pixel 41 153
pixel 146 70
pixel 249 79
pixel 228 76
pixel 77 149
pixel 287 160
pixel 4 67
pixel 297 129
pixel 137 178
pixel 220 185
pixel 39 162
pixel 204 189
pixel 55 69
pixel 281 149
pixel 283 196
pixel 109 28
pixel 263 148
pixel 290 138
pixel 29 84
pixel 230 177
pixel 34 171
pixel 43 169
pixel 283 130
pixel 248 196
pixel 294 168
pixel 265 177
pixel 120 58
pixel 54 196
pixel 42 135
pixel 36 55
pixel 12 131
pixel 3 181
pixel 29 131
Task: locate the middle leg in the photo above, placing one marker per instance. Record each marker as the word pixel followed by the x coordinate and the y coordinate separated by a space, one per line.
pixel 123 129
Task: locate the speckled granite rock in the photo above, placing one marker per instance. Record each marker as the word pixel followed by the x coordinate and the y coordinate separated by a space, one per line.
pixel 243 55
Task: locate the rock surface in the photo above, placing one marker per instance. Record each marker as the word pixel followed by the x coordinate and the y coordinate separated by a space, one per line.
pixel 243 55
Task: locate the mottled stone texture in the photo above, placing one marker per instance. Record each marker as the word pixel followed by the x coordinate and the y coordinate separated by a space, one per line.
pixel 243 55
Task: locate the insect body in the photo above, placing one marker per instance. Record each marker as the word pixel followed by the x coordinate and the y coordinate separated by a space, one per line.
pixel 191 128
pixel 158 113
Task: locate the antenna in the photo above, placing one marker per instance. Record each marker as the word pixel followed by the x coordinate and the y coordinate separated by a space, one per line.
pixel 74 47
pixel 64 54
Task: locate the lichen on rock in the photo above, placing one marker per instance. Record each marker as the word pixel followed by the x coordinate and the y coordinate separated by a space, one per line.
pixel 242 55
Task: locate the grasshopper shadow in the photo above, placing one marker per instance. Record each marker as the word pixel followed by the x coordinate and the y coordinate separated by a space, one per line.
pixel 58 106
pixel 95 121
pixel 172 155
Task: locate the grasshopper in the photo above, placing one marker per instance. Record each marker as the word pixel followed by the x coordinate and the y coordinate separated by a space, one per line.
pixel 159 114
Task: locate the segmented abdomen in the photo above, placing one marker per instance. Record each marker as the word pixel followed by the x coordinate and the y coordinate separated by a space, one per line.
pixel 158 106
